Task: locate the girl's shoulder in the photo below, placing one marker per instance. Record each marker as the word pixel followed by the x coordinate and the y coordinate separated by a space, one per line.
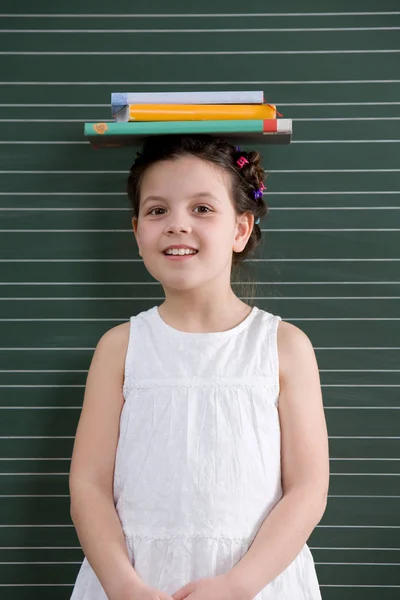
pixel 115 340
pixel 292 342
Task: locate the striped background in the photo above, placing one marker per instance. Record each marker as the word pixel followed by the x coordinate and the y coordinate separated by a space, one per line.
pixel 69 267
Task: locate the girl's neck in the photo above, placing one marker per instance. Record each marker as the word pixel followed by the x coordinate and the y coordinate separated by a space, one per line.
pixel 210 318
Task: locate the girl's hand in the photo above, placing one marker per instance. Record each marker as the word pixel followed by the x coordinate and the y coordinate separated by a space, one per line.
pixel 219 587
pixel 142 591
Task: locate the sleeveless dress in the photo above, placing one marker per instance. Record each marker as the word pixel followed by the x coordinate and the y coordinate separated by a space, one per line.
pixel 198 459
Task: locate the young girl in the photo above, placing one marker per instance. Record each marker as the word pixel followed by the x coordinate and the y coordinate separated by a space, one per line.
pixel 200 465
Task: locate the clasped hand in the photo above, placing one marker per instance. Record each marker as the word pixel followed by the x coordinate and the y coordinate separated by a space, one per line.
pixel 220 587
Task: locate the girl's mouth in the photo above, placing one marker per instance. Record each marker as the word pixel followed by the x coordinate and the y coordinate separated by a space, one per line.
pixel 179 256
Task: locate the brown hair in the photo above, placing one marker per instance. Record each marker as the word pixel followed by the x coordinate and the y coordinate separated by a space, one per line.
pixel 244 181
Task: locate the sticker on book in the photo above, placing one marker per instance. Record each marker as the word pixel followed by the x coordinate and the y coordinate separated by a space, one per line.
pixel 100 127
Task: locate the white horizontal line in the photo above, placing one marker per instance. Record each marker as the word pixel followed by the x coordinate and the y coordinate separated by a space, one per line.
pixel 85 371
pixel 78 562
pixel 60 105
pixel 77 143
pixel 113 283
pixel 344 141
pixel 351 474
pixel 101 298
pixel 311 547
pixel 71 548
pixel 345 119
pixel 331 474
pixel 203 30
pixel 72 584
pixel 272 208
pixel 278 103
pixel 111 194
pixel 274 230
pixel 122 209
pixel 68 458
pixel 79 547
pixel 190 52
pixel 98 320
pixel 270 230
pixel 75 371
pixel 301 171
pixel 207 15
pixel 112 260
pixel 76 385
pixel 126 172
pixel 322 193
pixel 319 526
pixel 389 348
pixel 72 437
pixel 171 83
pixel 80 408
pixel 79 193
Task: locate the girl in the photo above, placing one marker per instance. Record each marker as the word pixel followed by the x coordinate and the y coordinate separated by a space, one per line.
pixel 200 465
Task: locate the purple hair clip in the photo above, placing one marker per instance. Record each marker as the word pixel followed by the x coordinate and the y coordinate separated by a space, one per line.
pixel 258 194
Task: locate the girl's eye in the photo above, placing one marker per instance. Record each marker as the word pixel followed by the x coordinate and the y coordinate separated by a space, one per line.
pixel 160 208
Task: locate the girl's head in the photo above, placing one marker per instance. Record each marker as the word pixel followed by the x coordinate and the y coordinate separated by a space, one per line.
pixel 190 190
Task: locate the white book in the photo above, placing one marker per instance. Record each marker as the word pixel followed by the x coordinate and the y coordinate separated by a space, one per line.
pixel 119 100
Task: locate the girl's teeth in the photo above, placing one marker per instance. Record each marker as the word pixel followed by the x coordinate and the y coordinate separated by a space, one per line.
pixel 180 252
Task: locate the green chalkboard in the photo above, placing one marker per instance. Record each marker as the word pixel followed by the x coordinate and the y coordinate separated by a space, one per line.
pixel 329 261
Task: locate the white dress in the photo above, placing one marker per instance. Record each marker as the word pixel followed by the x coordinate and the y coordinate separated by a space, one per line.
pixel 198 460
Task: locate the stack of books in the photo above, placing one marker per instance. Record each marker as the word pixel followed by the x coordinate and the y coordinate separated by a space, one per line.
pixel 239 116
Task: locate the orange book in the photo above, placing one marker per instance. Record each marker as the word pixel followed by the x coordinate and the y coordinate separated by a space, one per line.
pixel 196 112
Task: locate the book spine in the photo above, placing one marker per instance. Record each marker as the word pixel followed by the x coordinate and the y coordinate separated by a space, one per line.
pixel 199 112
pixel 121 99
pixel 175 127
pixel 277 126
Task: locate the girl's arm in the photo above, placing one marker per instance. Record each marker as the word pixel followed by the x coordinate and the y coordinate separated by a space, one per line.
pixel 91 476
pixel 305 467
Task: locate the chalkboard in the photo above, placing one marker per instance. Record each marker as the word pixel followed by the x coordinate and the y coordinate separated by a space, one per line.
pixel 329 261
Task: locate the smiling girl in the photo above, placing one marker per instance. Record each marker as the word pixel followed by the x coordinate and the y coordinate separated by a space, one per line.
pixel 200 465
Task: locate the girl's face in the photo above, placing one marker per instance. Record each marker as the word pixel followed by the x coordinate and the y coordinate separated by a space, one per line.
pixel 172 211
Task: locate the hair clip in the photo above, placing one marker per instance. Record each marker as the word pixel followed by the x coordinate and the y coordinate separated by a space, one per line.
pixel 257 222
pixel 242 161
pixel 258 194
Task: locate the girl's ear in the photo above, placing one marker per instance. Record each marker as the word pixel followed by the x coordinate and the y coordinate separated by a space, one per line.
pixel 244 227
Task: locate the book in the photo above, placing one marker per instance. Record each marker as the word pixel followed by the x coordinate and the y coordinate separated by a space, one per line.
pixel 121 99
pixel 195 112
pixel 270 131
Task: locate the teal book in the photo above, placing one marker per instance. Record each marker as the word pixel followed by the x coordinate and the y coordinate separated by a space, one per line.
pixel 114 134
